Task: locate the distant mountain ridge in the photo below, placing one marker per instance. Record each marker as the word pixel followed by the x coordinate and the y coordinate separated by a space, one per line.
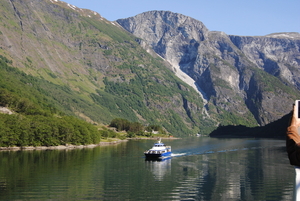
pixel 257 77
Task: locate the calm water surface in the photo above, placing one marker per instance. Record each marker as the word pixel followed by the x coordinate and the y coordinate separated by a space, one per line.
pixel 199 169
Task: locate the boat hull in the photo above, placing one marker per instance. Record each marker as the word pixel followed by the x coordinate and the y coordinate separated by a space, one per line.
pixel 154 155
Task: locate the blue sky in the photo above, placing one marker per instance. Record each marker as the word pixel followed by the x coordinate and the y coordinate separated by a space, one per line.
pixel 236 17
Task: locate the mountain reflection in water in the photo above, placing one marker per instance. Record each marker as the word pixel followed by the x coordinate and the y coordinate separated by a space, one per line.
pixel 200 169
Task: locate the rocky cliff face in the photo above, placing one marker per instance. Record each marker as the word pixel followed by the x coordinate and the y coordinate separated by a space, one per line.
pixel 244 77
pixel 277 54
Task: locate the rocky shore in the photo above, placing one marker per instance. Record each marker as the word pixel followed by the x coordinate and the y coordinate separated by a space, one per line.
pixel 70 146
pixel 60 147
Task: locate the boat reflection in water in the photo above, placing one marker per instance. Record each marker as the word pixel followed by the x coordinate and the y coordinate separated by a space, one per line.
pixel 159 167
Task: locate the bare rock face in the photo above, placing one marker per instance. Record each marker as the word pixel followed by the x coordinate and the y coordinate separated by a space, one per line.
pixel 245 76
pixel 277 54
pixel 169 34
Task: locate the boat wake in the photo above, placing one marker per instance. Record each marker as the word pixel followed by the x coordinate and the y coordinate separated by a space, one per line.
pixel 202 152
pixel 177 155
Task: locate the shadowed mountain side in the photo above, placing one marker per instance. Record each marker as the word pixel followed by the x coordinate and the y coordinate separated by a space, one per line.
pixel 275 129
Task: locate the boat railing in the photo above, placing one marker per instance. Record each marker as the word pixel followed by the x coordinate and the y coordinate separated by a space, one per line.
pixel 155 152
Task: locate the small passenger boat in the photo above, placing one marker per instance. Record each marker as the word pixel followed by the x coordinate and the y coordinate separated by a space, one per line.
pixel 159 150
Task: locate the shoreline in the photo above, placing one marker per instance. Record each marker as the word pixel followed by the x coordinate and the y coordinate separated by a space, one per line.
pixel 154 138
pixel 70 146
pixel 61 147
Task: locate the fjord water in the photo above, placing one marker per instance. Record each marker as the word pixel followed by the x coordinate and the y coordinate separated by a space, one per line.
pixel 200 169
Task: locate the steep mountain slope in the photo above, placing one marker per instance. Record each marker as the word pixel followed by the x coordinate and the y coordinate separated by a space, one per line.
pixel 95 69
pixel 251 78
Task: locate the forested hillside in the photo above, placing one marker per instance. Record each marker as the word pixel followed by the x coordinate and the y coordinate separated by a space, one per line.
pixel 36 121
pixel 91 68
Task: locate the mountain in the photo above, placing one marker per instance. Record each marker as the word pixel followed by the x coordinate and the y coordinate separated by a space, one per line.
pixel 158 68
pixel 255 79
pixel 86 66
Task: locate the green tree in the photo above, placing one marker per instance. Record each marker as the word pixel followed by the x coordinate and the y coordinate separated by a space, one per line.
pixel 136 127
pixel 120 124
